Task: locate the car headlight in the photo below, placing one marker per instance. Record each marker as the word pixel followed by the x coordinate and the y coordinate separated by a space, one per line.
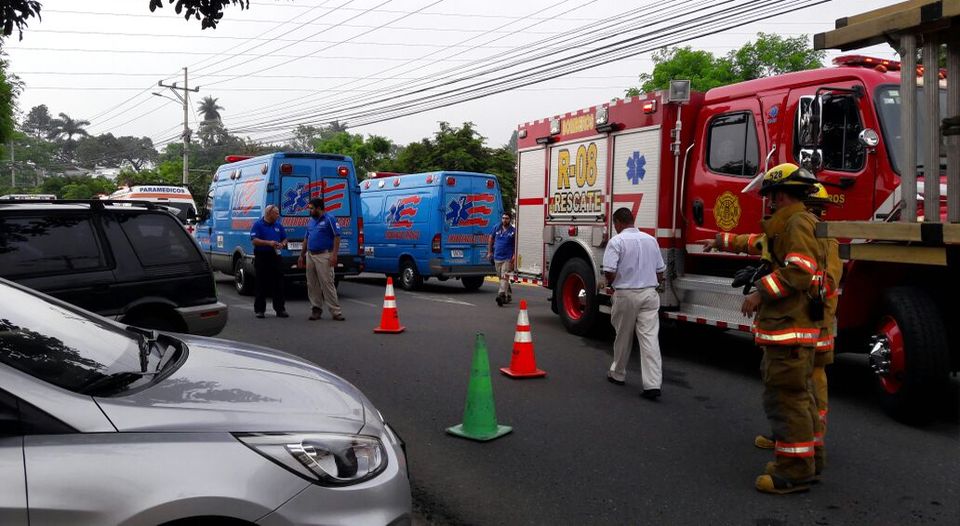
pixel 327 459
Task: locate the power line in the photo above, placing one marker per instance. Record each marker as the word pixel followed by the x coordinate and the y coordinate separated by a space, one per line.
pixel 595 31
pixel 300 102
pixel 172 52
pixel 381 26
pixel 261 21
pixel 379 114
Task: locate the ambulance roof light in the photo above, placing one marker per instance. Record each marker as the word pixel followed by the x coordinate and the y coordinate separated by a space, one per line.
pixel 236 158
pixel 343 171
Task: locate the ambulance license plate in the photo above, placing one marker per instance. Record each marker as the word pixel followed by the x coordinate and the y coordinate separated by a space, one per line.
pixel 295 245
pixel 456 253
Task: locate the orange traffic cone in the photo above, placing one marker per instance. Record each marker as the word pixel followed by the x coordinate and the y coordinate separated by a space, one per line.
pixel 390 319
pixel 523 363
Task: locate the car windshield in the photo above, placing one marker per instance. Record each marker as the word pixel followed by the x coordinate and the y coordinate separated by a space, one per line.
pixel 185 211
pixel 888 107
pixel 60 345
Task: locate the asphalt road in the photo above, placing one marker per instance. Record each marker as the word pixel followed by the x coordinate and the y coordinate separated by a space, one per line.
pixel 584 451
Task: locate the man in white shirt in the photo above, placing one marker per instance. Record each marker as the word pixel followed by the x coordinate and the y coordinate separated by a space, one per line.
pixel 633 267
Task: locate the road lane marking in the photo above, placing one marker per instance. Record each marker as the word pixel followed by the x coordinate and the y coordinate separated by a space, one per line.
pixel 358 302
pixel 440 299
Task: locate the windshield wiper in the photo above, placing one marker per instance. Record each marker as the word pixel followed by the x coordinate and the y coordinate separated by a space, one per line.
pixel 146 339
pixel 112 383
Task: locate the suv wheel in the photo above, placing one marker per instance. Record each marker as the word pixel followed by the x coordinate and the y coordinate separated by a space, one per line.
pixel 242 278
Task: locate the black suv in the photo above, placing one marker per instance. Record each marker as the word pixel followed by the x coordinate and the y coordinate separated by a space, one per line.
pixel 131 261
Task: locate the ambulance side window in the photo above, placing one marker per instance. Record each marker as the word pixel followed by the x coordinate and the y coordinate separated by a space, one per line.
pixel 732 145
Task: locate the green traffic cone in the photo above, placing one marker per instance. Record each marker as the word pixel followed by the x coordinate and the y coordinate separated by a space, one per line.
pixel 479 415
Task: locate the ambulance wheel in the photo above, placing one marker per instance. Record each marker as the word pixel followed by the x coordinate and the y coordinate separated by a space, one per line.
pixel 409 278
pixel 242 278
pixel 909 354
pixel 577 297
pixel 472 282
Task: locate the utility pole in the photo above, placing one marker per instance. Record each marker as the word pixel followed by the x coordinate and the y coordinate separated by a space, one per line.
pixel 186 109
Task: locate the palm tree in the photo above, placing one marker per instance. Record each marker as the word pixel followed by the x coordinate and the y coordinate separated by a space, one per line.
pixel 67 127
pixel 209 108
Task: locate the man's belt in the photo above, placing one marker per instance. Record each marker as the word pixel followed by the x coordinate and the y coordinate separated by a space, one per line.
pixel 320 251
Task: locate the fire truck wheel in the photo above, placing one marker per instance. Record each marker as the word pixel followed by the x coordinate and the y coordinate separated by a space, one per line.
pixel 409 278
pixel 472 282
pixel 576 295
pixel 909 354
pixel 242 278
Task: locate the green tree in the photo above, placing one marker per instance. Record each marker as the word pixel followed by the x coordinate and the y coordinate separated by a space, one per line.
pixel 39 122
pixel 107 150
pixel 82 187
pixel 463 149
pixel 10 87
pixel 773 55
pixel 369 154
pixel 768 55
pixel 66 128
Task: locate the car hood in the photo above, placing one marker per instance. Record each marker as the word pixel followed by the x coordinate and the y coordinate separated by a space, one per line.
pixel 235 387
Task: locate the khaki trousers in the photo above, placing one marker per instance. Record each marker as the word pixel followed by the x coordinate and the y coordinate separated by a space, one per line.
pixel 502 267
pixel 320 283
pixel 791 409
pixel 637 311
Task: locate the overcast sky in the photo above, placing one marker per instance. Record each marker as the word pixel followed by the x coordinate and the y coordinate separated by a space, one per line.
pixel 290 60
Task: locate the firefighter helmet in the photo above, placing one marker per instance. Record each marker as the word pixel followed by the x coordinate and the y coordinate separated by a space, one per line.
pixel 819 196
pixel 788 176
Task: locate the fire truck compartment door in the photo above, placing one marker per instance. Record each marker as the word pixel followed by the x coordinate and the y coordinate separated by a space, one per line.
pixel 577 190
pixel 530 212
pixel 636 174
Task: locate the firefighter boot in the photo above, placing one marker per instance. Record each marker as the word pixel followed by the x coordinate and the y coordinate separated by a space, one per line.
pixel 501 300
pixel 764 442
pixel 771 467
pixel 779 486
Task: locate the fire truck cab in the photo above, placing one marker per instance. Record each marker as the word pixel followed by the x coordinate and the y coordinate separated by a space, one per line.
pixel 680 161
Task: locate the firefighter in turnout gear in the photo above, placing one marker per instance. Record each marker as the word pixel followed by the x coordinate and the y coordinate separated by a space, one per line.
pixel 756 244
pixel 788 325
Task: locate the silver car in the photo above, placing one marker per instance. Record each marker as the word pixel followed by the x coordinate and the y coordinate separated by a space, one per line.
pixel 104 424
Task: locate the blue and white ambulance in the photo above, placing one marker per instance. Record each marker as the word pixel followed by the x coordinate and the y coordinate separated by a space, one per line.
pixel 434 224
pixel 244 186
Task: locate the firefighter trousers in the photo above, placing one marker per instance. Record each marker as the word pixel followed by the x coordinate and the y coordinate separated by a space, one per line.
pixel 790 406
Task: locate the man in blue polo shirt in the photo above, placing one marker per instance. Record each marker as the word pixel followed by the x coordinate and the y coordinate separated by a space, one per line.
pixel 319 255
pixel 500 250
pixel 268 238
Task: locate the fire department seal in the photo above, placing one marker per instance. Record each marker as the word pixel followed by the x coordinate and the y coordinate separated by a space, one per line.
pixel 727 211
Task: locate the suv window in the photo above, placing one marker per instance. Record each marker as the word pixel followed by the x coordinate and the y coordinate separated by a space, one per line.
pixel 54 244
pixel 732 145
pixel 158 239
pixel 840 147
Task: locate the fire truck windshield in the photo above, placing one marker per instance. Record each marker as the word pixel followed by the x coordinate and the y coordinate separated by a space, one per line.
pixel 888 107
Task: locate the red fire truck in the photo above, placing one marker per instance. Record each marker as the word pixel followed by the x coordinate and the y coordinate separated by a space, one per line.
pixel 681 160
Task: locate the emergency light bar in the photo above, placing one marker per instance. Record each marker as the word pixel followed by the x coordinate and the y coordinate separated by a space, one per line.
pixel 380 175
pixel 236 158
pixel 879 64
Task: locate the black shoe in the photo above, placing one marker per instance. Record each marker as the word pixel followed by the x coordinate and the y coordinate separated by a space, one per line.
pixel 615 381
pixel 339 317
pixel 500 301
pixel 283 314
pixel 261 315
pixel 315 314
pixel 650 394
